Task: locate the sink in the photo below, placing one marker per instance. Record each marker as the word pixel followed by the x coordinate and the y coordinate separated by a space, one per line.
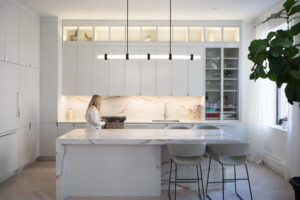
pixel 165 120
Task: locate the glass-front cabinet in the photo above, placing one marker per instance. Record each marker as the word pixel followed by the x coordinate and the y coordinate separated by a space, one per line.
pixel 222 84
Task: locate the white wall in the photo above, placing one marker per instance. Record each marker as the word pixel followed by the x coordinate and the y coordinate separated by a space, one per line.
pixel 49 80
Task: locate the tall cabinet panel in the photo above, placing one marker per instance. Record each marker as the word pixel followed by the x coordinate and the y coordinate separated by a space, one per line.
pixel 164 74
pixel 69 70
pixel 9 97
pixel 25 47
pixel 34 42
pixel 117 73
pixel 12 32
pixel 148 74
pixel 2 30
pixel 213 84
pixel 180 73
pixel 196 73
pixel 85 70
pixel 101 75
pixel 133 74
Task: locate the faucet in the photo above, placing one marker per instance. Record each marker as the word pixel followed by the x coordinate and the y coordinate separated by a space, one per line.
pixel 165 112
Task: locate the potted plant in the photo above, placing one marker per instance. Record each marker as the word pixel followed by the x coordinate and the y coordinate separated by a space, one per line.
pixel 276 58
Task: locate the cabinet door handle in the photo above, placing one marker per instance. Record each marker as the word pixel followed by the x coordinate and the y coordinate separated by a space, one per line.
pixel 18 114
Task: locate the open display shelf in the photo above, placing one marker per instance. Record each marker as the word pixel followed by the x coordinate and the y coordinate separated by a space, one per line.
pixel 222 84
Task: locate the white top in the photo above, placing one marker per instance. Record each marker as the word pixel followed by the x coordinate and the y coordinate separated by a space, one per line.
pixel 93 118
pixel 148 136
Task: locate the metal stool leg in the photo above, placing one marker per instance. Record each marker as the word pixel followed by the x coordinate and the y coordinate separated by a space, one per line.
pixel 170 179
pixel 202 182
pixel 248 181
pixel 223 182
pixel 199 193
pixel 175 180
pixel 237 194
pixel 208 178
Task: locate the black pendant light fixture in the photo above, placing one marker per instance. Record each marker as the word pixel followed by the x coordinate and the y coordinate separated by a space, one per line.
pixel 148 56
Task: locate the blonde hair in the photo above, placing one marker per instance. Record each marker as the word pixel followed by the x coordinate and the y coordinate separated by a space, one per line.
pixel 95 101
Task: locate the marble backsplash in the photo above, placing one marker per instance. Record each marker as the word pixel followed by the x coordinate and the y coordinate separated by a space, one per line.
pixel 135 108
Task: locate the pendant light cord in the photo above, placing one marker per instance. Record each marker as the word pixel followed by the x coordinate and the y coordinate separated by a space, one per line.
pixel 170 25
pixel 127 25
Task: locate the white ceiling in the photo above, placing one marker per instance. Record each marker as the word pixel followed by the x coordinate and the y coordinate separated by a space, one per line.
pixel 152 9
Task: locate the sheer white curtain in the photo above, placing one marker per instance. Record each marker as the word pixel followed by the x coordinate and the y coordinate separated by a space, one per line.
pixel 258 106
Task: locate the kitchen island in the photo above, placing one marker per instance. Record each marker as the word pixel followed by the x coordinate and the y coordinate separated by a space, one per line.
pixel 120 162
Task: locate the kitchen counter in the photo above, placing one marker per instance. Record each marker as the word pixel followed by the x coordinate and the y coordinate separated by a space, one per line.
pixel 98 163
pixel 145 136
pixel 151 122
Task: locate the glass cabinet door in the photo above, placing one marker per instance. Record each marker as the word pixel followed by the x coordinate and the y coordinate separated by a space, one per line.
pixel 231 84
pixel 213 84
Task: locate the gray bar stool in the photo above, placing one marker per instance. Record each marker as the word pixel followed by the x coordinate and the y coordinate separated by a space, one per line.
pixel 189 155
pixel 229 155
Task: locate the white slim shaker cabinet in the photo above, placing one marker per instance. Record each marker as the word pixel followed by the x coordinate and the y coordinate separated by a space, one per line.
pixel 78 66
pixel 9 89
pixel 102 73
pixel 84 74
pixel 19 87
pixel 8 154
pixel 164 74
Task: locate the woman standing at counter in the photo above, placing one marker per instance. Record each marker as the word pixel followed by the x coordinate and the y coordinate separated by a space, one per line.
pixel 92 115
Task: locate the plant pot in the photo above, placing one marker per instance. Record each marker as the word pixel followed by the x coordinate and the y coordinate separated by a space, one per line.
pixel 295 181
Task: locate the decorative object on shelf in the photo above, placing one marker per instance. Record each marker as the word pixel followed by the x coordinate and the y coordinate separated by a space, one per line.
pixel 148 56
pixel 74 37
pixel 276 57
pixel 70 114
pixel 87 38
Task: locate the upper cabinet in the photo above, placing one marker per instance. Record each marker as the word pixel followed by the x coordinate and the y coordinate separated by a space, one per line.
pixel 12 18
pixel 78 70
pixel 19 35
pixel 25 52
pixel 2 31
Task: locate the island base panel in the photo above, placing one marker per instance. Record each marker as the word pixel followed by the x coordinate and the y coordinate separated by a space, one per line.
pixel 112 170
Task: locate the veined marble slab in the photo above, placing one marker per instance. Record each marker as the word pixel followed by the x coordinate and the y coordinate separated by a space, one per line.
pixel 91 162
pixel 146 136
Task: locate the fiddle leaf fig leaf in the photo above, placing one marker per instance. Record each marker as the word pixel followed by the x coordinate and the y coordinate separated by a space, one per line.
pixel 285 41
pixel 271 35
pixel 272 76
pixel 276 64
pixel 294 10
pixel 295 30
pixel 288 5
pixel 295 74
pixel 258 46
pixel 291 52
pixel 276 51
pixel 290 92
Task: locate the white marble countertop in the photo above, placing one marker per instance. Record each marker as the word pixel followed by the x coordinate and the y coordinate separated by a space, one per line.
pixel 147 136
pixel 151 122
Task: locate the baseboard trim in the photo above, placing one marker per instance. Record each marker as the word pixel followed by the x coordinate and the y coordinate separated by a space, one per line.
pixel 46 158
pixel 274 163
pixel 9 175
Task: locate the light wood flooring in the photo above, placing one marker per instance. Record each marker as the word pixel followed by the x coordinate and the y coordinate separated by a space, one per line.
pixel 37 182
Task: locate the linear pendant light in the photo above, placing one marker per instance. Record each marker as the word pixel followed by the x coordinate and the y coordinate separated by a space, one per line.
pixel 148 56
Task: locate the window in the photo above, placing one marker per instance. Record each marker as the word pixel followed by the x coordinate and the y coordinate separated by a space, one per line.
pixel 282 105
pixel 281 100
